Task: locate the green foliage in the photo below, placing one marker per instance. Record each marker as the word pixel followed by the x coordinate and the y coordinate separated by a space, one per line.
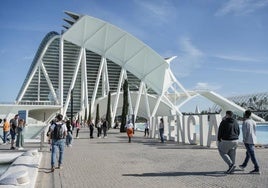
pixel 125 106
pixel 108 113
pixel 85 116
pixel 89 112
pixel 97 114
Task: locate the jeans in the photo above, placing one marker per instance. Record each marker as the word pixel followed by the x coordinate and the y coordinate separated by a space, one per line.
pixel 91 132
pixel 250 154
pixel 227 150
pixel 77 132
pixel 57 144
pixel 20 139
pixel 161 132
pixel 6 133
pixel 104 131
pixel 69 138
pixel 99 131
pixel 146 131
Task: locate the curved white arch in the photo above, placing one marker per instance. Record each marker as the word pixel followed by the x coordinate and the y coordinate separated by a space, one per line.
pixel 123 49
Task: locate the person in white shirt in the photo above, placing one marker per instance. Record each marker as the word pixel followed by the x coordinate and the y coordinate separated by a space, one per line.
pixel 250 139
pixel 146 130
pixel 129 126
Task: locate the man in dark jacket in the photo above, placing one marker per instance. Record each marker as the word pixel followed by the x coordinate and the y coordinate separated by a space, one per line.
pixel 228 136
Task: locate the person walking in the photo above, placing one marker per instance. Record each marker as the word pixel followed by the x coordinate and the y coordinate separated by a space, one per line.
pixel 228 136
pixel 58 134
pixel 146 130
pixel 20 134
pixel 6 129
pixel 104 128
pixel 78 126
pixel 13 127
pixel 91 128
pixel 99 125
pixel 69 136
pixel 130 130
pixel 161 130
pixel 249 139
pixel 49 133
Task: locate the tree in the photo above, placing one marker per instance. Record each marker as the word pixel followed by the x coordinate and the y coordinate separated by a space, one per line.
pixel 108 113
pixel 97 114
pixel 125 107
pixel 85 116
pixel 89 112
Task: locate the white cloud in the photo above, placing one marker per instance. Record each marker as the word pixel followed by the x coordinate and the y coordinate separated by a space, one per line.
pixel 237 58
pixel 241 7
pixel 206 86
pixel 28 57
pixel 189 59
pixel 161 11
pixel 189 48
pixel 244 70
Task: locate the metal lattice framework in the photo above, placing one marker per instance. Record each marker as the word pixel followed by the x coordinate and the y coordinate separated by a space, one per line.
pixel 92 58
pixel 255 101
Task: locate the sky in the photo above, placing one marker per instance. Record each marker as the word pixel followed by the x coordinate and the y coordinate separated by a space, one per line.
pixel 220 45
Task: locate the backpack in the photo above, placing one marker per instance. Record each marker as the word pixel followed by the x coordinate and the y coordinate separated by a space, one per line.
pixel 57 132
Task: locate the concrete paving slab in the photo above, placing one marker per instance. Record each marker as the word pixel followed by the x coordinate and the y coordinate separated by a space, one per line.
pixel 113 162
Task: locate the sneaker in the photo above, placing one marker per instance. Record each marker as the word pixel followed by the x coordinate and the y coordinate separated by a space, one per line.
pixel 20 148
pixel 52 169
pixel 12 148
pixel 60 167
pixel 242 167
pixel 231 169
pixel 255 171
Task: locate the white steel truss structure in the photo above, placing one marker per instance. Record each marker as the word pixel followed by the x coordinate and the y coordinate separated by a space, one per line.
pixel 92 58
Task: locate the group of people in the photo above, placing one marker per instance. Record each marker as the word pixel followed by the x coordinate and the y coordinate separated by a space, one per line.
pixel 60 133
pixel 102 126
pixel 15 129
pixel 228 135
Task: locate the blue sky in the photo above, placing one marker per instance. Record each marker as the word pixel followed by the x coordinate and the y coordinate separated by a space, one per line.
pixel 221 45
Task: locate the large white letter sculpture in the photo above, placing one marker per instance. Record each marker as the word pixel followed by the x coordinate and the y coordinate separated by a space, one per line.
pixel 208 128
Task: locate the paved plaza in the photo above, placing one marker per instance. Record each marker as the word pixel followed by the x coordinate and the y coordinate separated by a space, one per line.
pixel 113 162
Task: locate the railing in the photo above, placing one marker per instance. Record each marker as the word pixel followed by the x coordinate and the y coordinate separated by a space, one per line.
pixel 37 103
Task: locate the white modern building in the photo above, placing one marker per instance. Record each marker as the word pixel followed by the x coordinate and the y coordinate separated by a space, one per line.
pixel 91 58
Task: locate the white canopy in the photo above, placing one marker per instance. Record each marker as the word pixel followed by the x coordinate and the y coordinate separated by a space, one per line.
pixel 123 49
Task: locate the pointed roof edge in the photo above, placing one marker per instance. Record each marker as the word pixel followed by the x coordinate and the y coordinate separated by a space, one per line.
pixel 73 15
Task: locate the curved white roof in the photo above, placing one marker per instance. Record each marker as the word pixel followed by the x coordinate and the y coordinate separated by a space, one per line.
pixel 109 42
pixel 123 49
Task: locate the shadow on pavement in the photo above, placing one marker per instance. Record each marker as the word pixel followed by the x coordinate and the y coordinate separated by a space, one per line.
pixel 211 173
